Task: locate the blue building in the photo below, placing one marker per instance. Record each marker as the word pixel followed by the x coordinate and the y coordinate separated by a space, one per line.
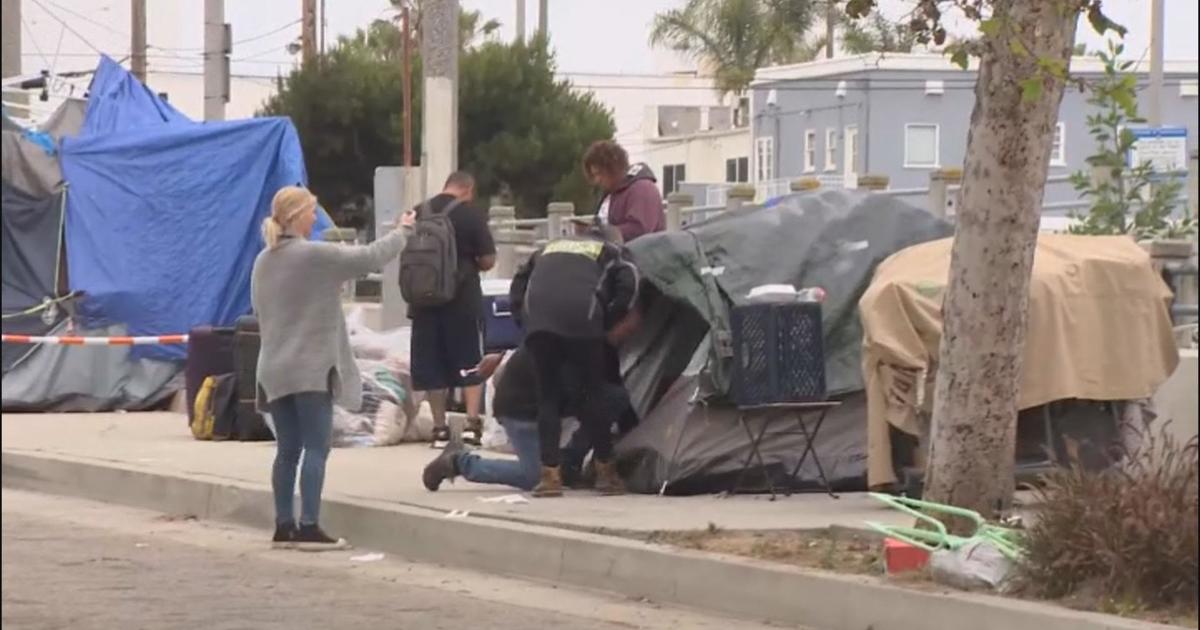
pixel 906 115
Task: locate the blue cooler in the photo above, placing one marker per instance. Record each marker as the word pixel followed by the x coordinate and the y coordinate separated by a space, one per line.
pixel 500 330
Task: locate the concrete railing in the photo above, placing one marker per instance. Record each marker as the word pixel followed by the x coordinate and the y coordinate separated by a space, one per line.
pixel 516 238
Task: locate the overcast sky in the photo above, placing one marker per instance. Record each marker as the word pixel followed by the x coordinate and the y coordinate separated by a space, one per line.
pixel 606 36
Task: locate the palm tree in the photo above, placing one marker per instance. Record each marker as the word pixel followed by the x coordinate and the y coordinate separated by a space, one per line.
pixel 471 26
pixel 736 36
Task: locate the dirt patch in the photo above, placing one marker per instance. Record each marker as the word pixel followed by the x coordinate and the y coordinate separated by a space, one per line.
pixel 832 549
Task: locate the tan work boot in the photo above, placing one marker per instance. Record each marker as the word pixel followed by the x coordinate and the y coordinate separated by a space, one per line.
pixel 551 484
pixel 608 482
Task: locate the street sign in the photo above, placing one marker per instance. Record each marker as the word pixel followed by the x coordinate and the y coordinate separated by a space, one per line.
pixel 1165 148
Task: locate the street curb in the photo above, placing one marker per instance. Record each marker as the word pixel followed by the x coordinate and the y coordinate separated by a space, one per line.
pixel 735 586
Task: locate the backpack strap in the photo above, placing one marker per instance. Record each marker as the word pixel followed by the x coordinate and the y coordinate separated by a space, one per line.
pixel 426 208
pixel 451 206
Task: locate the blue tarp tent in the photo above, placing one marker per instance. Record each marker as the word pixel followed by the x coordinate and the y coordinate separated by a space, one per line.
pixel 163 213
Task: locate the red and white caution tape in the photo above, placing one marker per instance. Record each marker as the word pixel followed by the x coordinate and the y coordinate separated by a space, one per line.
pixel 98 341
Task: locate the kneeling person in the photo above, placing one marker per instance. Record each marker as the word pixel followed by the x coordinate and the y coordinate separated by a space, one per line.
pixel 516 408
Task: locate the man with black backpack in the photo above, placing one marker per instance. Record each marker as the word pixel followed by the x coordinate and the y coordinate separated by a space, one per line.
pixel 449 245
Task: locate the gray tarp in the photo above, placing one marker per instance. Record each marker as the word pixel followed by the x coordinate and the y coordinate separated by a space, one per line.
pixel 89 378
pixel 833 240
pixel 27 165
pixel 29 252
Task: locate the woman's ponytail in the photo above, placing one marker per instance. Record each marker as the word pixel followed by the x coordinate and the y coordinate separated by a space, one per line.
pixel 271 231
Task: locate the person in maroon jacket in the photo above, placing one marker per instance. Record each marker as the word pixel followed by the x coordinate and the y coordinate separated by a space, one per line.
pixel 631 202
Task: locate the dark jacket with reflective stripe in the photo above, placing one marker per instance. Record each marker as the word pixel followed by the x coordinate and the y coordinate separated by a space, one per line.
pixel 574 287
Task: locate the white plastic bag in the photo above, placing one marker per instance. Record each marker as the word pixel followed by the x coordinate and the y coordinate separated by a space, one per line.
pixel 977 565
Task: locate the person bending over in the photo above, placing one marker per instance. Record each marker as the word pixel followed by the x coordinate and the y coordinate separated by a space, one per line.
pixel 567 296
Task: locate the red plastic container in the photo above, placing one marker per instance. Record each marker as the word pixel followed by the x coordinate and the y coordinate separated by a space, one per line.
pixel 900 557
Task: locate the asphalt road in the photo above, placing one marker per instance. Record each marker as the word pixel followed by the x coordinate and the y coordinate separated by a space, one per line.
pixel 86 566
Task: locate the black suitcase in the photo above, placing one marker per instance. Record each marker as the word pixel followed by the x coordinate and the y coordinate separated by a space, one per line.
pixel 250 424
pixel 209 352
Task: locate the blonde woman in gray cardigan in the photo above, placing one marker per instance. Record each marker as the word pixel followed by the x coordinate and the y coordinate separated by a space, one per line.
pixel 305 363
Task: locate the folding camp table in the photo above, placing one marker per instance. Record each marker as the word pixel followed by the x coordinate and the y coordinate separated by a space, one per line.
pixel 772 414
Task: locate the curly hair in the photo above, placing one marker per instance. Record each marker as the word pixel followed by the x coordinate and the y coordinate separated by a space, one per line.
pixel 606 156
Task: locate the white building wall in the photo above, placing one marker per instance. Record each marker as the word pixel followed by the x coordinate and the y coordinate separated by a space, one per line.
pixel 703 154
pixel 628 95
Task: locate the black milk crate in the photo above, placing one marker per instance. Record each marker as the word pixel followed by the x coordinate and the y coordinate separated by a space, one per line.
pixel 778 353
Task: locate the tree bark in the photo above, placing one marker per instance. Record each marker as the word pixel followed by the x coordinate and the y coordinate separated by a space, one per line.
pixel 986 305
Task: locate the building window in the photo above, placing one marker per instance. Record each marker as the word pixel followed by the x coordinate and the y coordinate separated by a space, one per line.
pixel 764 159
pixel 831 142
pixel 741 114
pixel 1058 151
pixel 921 146
pixel 673 176
pixel 737 170
pixel 810 151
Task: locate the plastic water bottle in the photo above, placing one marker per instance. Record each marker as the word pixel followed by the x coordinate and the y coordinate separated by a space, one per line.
pixel 811 294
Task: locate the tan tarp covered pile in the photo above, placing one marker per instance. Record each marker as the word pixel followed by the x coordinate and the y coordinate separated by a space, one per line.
pixel 1099 329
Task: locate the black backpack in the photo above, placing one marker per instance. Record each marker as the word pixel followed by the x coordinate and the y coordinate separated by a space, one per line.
pixel 429 262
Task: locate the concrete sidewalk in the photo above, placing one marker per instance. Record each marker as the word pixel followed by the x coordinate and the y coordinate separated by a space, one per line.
pixel 160 443
pixel 374 498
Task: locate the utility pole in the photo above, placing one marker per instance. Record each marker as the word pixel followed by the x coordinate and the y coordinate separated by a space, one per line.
pixel 308 30
pixel 10 48
pixel 1154 115
pixel 406 84
pixel 137 42
pixel 217 44
pixel 439 63
pixel 520 20
pixel 324 24
pixel 831 13
pixel 544 18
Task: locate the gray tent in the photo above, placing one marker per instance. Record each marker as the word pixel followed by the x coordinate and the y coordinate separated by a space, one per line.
pixel 678 366
pixel 30 240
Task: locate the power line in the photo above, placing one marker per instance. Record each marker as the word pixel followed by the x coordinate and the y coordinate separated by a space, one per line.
pixel 68 27
pixel 36 45
pixel 247 40
pixel 90 20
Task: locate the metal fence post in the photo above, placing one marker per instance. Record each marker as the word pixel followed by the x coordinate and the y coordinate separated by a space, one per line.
pixel 739 196
pixel 676 202
pixel 558 217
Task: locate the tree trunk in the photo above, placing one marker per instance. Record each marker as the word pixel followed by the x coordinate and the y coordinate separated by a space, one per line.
pixel 986 307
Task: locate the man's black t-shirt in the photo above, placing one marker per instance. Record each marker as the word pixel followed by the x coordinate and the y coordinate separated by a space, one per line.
pixel 516 391
pixel 473 239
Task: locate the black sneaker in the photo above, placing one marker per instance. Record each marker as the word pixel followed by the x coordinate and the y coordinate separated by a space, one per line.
pixel 311 538
pixel 441 437
pixel 473 433
pixel 285 536
pixel 444 467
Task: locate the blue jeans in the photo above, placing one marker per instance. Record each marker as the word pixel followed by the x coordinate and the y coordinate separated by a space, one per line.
pixel 303 422
pixel 523 473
